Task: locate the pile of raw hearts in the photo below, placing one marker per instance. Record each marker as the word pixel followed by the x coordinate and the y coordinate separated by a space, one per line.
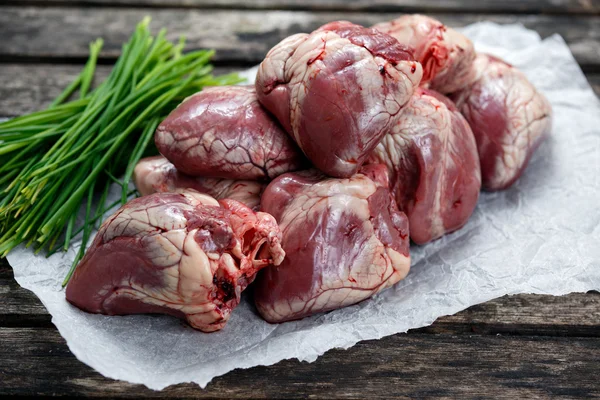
pixel 352 142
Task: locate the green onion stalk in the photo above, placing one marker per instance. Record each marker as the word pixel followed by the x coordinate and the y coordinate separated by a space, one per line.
pixel 61 161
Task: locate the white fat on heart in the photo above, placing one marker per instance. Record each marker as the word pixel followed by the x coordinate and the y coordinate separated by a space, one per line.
pixel 164 250
pixel 195 272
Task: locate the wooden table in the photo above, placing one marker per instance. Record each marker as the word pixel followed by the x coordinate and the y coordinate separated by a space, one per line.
pixel 513 347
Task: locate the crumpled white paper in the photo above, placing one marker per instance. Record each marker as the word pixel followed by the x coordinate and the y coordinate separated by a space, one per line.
pixel 541 236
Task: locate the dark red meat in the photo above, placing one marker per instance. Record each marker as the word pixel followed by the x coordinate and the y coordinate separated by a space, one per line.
pixel 432 159
pixel 223 132
pixel 344 240
pixel 509 118
pixel 182 254
pixel 447 56
pixel 157 174
pixel 337 91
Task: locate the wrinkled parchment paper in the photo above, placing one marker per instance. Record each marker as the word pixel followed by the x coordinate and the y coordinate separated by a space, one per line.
pixel 541 236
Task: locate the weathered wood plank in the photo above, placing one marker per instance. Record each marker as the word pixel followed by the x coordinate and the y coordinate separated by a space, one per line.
pixel 456 6
pixel 37 361
pixel 576 314
pixel 19 307
pixel 25 88
pixel 237 35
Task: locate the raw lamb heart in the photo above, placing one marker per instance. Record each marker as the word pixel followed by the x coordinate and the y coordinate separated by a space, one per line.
pixel 432 159
pixel 223 132
pixel 344 239
pixel 509 118
pixel 337 91
pixel 182 254
pixel 446 55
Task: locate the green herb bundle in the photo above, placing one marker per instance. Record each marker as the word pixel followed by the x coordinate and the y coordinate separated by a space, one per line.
pixel 54 162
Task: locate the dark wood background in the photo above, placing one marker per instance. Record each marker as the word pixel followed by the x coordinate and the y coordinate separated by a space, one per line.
pixel 513 347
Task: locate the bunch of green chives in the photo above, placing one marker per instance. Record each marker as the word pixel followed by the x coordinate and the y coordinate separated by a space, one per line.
pixel 54 162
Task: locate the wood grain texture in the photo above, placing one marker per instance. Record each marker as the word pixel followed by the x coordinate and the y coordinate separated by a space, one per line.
pixel 576 314
pixel 455 6
pixel 37 361
pixel 18 306
pixel 25 88
pixel 60 33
